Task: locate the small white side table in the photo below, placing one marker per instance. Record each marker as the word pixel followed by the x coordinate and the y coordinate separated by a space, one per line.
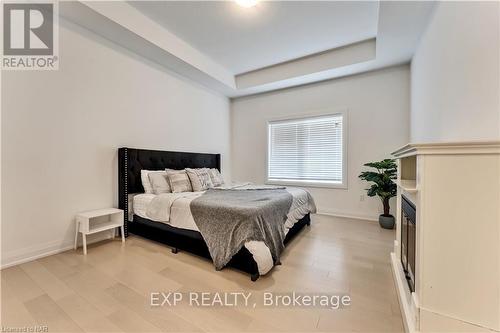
pixel 99 220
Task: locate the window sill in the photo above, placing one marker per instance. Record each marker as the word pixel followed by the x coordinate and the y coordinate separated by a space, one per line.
pixel 299 183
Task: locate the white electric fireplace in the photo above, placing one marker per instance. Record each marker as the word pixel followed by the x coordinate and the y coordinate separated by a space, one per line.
pixel 446 258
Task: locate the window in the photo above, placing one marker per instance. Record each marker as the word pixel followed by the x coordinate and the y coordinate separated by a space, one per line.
pixel 307 151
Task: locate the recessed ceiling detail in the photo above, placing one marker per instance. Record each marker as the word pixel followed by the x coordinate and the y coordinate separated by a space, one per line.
pixel 270 33
pixel 273 45
pixel 314 63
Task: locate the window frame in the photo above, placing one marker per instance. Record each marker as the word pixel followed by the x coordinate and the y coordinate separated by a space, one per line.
pixel 306 183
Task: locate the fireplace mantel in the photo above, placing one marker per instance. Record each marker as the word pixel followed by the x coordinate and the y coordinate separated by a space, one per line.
pixel 455 187
pixel 448 148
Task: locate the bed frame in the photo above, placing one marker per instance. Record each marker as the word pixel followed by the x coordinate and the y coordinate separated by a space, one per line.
pixel 130 163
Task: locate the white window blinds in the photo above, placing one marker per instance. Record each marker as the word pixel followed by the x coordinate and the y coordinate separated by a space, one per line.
pixel 306 150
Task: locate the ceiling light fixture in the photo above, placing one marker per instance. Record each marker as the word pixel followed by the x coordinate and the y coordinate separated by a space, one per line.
pixel 246 3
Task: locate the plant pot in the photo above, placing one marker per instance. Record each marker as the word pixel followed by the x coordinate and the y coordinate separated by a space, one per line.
pixel 386 221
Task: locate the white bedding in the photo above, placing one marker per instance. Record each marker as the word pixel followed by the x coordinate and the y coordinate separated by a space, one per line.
pixel 140 203
pixel 173 209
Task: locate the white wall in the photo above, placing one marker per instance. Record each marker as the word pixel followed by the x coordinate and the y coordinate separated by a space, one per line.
pixel 378 110
pixel 455 75
pixel 61 130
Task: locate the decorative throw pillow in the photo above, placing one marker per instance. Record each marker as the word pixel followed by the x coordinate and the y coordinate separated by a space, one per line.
pixel 146 183
pixel 179 181
pixel 216 177
pixel 159 182
pixel 200 179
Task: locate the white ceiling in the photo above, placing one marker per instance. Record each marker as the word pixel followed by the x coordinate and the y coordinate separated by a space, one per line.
pixel 275 45
pixel 245 39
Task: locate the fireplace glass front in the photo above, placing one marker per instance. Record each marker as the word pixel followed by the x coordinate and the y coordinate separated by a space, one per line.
pixel 408 240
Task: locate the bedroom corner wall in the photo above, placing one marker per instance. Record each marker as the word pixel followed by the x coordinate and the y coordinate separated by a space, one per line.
pixel 378 105
pixel 61 130
pixel 455 84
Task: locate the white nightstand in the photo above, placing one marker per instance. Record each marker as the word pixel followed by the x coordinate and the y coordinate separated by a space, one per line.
pixel 96 221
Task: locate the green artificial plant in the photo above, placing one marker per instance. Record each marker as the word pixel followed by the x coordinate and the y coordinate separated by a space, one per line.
pixel 384 185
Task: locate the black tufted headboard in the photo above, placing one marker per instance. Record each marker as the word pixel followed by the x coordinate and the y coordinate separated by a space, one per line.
pixel 131 161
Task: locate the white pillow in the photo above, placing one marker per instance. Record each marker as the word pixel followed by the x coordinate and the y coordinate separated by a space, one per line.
pixel 200 179
pixel 159 182
pixel 179 181
pixel 216 177
pixel 148 188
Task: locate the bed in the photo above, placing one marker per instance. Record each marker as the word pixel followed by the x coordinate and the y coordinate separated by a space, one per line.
pixel 180 232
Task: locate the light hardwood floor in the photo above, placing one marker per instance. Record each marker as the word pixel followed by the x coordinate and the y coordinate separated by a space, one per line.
pixel 109 290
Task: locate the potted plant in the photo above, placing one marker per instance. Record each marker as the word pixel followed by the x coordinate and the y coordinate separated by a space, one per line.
pixel 383 186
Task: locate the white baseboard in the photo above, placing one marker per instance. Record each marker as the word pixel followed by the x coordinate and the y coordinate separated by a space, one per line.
pixel 21 256
pixel 350 215
pixel 29 254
